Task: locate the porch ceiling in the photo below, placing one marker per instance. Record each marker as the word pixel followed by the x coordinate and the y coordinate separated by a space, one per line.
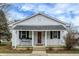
pixel 38 27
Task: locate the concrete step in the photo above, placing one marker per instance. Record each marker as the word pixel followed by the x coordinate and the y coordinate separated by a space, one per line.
pixel 39 48
pixel 39 53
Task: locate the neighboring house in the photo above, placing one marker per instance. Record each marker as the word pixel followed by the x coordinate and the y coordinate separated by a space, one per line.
pixel 38 30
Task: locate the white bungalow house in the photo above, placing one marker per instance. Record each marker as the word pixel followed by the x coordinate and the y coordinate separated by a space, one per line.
pixel 38 30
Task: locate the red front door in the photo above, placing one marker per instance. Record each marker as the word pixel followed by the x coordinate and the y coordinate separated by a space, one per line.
pixel 39 37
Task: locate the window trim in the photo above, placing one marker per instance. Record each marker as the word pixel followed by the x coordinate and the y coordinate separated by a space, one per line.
pixel 52 33
pixel 27 35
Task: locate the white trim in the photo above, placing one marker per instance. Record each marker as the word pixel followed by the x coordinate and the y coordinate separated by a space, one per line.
pixel 32 38
pixel 41 30
pixel 15 32
pixel 61 37
pixel 42 33
pixel 45 38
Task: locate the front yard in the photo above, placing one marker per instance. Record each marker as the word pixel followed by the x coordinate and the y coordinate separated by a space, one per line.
pixel 6 48
pixel 62 51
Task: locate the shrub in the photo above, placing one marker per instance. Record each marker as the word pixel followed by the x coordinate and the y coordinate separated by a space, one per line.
pixel 70 40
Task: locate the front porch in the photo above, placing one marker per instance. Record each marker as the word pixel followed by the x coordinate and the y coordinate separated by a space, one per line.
pixel 35 38
pixel 26 38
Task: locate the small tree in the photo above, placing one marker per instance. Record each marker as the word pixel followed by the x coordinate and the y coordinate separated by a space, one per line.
pixel 4 30
pixel 70 39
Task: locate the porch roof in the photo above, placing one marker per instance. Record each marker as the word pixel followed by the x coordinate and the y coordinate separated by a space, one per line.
pixel 39 27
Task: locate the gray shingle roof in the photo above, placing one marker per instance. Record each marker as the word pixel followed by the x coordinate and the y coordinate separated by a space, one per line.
pixel 46 27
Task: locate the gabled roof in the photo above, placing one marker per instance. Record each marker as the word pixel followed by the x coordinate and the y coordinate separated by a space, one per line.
pixel 46 15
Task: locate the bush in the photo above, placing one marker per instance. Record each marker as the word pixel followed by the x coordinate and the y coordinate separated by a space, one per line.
pixel 70 40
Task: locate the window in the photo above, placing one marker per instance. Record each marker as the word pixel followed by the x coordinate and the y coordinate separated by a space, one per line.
pixel 25 34
pixel 54 34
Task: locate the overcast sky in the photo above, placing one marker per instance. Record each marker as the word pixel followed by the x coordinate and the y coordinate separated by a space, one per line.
pixel 65 12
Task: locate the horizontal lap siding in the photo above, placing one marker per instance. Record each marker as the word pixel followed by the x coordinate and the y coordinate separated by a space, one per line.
pixel 26 43
pixel 39 20
pixel 56 41
pixel 49 41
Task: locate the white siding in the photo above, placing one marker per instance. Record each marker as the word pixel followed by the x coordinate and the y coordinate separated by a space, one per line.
pixel 57 42
pixel 16 41
pixel 26 43
pixel 15 38
pixel 39 20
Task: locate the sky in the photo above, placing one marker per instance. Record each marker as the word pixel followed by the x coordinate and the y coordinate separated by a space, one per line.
pixel 67 12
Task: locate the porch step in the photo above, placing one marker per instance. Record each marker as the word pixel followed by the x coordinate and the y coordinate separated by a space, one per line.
pixel 39 48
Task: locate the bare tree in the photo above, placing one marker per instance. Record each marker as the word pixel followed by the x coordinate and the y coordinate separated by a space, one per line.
pixel 70 39
pixel 4 5
pixel 3 21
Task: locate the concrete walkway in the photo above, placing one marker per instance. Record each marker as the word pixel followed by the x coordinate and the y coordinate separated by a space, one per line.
pixel 39 53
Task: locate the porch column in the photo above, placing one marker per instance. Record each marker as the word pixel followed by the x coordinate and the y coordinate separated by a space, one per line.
pixel 32 38
pixel 45 38
pixel 14 38
pixel 17 36
pixel 61 37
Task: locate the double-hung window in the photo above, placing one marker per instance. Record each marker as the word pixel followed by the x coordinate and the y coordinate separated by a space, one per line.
pixel 54 34
pixel 25 34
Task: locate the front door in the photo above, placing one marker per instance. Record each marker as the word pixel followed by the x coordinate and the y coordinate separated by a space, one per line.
pixel 39 37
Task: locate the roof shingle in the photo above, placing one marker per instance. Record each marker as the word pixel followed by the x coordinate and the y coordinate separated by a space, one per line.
pixel 43 27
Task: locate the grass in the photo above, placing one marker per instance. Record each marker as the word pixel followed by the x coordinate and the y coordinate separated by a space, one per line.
pixel 63 50
pixel 7 48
